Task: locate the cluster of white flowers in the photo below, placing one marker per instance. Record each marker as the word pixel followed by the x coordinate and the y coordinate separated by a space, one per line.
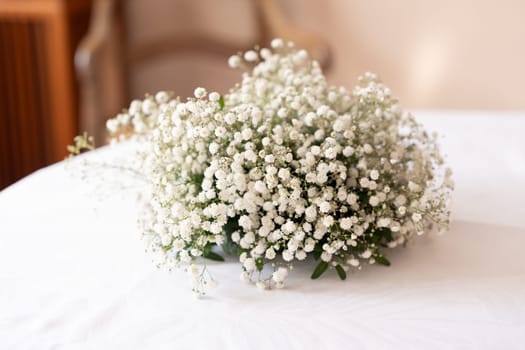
pixel 284 167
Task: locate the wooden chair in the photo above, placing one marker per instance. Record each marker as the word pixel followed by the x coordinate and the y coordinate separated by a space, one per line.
pixel 106 58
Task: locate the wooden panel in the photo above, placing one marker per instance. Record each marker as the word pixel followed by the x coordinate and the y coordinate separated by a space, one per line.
pixel 5 122
pixel 38 102
pixel 22 130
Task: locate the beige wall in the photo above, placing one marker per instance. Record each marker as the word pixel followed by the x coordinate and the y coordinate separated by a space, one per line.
pixel 434 54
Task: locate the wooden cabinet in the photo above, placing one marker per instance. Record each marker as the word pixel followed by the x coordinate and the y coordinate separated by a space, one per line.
pixel 38 93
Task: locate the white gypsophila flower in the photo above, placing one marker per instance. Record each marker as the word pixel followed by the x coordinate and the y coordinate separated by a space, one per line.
pixel 280 274
pixel 346 223
pixel 416 217
pixel 214 96
pixel 324 207
pixel 374 200
pixel 277 43
pixel 234 61
pixel 250 56
pixel 249 264
pixel 284 166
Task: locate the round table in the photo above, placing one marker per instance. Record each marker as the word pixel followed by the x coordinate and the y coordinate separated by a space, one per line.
pixel 74 274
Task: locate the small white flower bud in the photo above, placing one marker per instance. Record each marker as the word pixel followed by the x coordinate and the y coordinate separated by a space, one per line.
pixel 161 97
pixel 277 43
pixel 200 92
pixel 234 61
pixel 251 56
pixel 214 96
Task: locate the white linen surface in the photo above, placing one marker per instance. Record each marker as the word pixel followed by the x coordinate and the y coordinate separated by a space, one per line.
pixel 74 275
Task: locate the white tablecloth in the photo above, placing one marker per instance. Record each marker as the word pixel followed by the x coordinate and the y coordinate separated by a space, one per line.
pixel 75 277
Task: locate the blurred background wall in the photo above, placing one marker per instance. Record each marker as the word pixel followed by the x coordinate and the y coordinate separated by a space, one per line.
pixel 452 54
pixel 67 65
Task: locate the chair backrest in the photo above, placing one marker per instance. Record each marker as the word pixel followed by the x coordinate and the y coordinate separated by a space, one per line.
pixel 140 46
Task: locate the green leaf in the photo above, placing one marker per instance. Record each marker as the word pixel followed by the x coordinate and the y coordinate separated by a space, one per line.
pixel 231 225
pixel 381 260
pixel 320 269
pixel 385 233
pixel 317 254
pixel 259 263
pixel 359 248
pixel 197 179
pixel 166 248
pixel 212 256
pixel 318 250
pixel 229 246
pixel 340 272
pixel 221 102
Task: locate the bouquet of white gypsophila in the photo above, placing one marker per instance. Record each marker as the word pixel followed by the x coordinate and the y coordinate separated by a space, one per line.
pixel 282 168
